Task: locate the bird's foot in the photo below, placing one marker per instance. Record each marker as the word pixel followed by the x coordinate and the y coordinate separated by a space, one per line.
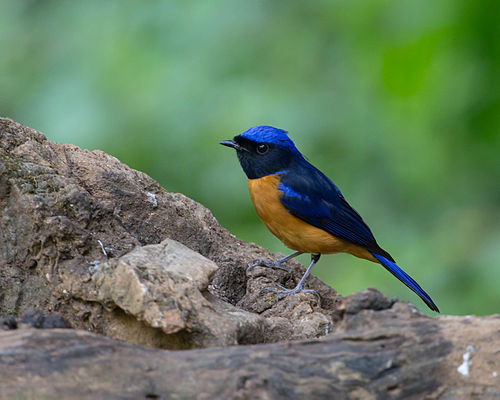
pixel 268 264
pixel 284 292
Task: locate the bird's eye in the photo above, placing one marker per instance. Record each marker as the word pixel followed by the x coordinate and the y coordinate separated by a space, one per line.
pixel 262 148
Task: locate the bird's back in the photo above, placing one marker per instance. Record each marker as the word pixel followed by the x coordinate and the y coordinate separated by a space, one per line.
pixel 309 195
pixel 293 231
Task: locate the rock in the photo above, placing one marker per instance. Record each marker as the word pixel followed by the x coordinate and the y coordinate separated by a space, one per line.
pixel 165 286
pixel 8 323
pixel 38 320
pixel 35 319
pixel 369 299
pixel 66 212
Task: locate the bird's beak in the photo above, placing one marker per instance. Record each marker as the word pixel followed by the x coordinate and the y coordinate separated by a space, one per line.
pixel 233 144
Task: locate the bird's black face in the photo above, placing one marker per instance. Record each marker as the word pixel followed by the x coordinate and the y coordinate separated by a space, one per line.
pixel 259 159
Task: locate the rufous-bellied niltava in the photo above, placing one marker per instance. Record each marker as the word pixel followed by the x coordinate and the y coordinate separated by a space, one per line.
pixel 303 208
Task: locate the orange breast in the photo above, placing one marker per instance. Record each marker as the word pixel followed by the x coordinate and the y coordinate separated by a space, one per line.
pixel 292 231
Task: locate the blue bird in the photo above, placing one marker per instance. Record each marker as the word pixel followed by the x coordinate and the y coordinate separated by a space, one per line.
pixel 303 208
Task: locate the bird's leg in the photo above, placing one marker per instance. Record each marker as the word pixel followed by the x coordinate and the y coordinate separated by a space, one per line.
pixel 284 292
pixel 274 264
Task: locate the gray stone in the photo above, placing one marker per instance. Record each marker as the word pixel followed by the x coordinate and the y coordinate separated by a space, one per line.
pixel 165 286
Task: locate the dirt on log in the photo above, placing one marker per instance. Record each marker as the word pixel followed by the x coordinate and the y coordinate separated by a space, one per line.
pixel 161 306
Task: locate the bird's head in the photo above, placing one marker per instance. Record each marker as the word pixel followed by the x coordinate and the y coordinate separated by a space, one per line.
pixel 263 150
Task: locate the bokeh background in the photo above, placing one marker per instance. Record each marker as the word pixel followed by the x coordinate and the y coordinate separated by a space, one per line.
pixel 398 101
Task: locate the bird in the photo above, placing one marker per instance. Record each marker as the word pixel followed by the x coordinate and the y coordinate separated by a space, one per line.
pixel 303 208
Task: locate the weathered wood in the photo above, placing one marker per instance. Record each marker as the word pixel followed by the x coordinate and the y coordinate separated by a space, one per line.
pixel 394 354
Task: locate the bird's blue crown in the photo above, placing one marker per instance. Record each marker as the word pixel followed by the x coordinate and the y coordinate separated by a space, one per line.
pixel 269 134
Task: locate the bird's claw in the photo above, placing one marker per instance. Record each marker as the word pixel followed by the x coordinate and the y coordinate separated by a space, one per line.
pixel 281 289
pixel 268 264
pixel 284 292
pixel 259 262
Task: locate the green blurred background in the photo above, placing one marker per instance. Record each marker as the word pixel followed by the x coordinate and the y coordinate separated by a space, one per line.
pixel 397 101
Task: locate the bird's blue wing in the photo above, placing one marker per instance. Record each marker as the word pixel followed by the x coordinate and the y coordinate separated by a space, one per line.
pixel 309 195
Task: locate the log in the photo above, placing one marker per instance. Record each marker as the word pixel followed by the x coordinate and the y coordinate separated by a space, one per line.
pixel 388 354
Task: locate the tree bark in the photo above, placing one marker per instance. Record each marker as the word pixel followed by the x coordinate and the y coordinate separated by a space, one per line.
pixel 389 354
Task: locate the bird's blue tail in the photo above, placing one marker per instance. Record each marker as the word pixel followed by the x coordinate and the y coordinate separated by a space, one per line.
pixel 407 280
